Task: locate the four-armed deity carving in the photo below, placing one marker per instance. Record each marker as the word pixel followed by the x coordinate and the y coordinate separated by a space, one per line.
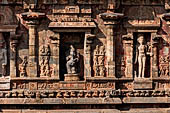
pixel 72 59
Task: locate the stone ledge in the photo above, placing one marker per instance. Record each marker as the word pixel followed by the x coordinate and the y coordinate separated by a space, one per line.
pixel 5 84
pixel 108 79
pixel 60 101
pixel 146 110
pixel 34 79
pixel 147 100
pixel 64 111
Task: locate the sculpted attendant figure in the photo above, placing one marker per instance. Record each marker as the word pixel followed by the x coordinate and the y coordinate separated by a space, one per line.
pixel 141 54
pixel 3 56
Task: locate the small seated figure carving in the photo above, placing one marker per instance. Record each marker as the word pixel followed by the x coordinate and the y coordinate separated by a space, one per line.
pixel 99 61
pixel 44 60
pixel 72 60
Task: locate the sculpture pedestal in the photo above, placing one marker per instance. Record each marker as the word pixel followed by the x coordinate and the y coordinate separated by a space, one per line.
pixel 4 83
pixel 142 83
pixel 71 77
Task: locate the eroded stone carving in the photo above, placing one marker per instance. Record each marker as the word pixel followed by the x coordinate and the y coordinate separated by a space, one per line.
pixel 23 65
pixel 99 61
pixel 164 66
pixel 141 54
pixel 3 56
pixel 44 52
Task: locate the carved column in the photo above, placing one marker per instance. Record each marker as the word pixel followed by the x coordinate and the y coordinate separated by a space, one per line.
pixel 32 20
pixel 13 54
pixel 110 20
pixel 128 52
pixel 32 49
pixel 55 41
pixel 87 54
pixel 154 57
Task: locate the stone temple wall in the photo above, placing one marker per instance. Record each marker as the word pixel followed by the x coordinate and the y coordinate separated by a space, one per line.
pixel 85 56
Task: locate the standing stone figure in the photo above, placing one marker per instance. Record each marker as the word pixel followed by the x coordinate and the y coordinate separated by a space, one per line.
pixel 141 54
pixel 72 60
pixel 3 56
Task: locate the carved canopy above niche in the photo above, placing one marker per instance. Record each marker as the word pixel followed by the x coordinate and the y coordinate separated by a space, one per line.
pixel 142 17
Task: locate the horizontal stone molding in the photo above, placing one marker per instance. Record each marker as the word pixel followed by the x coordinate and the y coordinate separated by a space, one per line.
pixel 60 101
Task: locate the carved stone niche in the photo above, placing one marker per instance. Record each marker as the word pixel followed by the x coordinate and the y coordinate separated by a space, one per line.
pixel 142 60
pixel 71 56
pixel 4 61
pixel 142 54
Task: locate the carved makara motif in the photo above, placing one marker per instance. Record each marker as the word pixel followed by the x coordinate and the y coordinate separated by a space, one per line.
pixel 164 66
pixel 3 56
pixel 23 65
pixel 44 52
pixel 142 50
pixel 99 61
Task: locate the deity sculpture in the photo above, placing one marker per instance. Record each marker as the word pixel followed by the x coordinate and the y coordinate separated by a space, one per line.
pixel 72 60
pixel 141 54
pixel 3 56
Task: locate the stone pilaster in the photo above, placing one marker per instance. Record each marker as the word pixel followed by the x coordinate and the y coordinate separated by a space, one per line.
pixel 87 54
pixel 13 54
pixel 110 20
pixel 110 51
pixel 128 52
pixel 32 50
pixel 32 20
pixel 55 41
pixel 154 55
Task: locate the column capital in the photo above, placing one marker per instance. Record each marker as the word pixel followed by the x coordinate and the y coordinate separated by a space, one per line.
pixel 90 38
pixel 128 36
pixel 111 18
pixel 166 16
pixel 32 18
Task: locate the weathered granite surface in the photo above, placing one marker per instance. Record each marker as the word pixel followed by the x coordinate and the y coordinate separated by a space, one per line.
pixel 84 56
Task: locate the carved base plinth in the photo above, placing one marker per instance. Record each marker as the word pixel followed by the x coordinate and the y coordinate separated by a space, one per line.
pixel 142 83
pixel 71 77
pixel 5 83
